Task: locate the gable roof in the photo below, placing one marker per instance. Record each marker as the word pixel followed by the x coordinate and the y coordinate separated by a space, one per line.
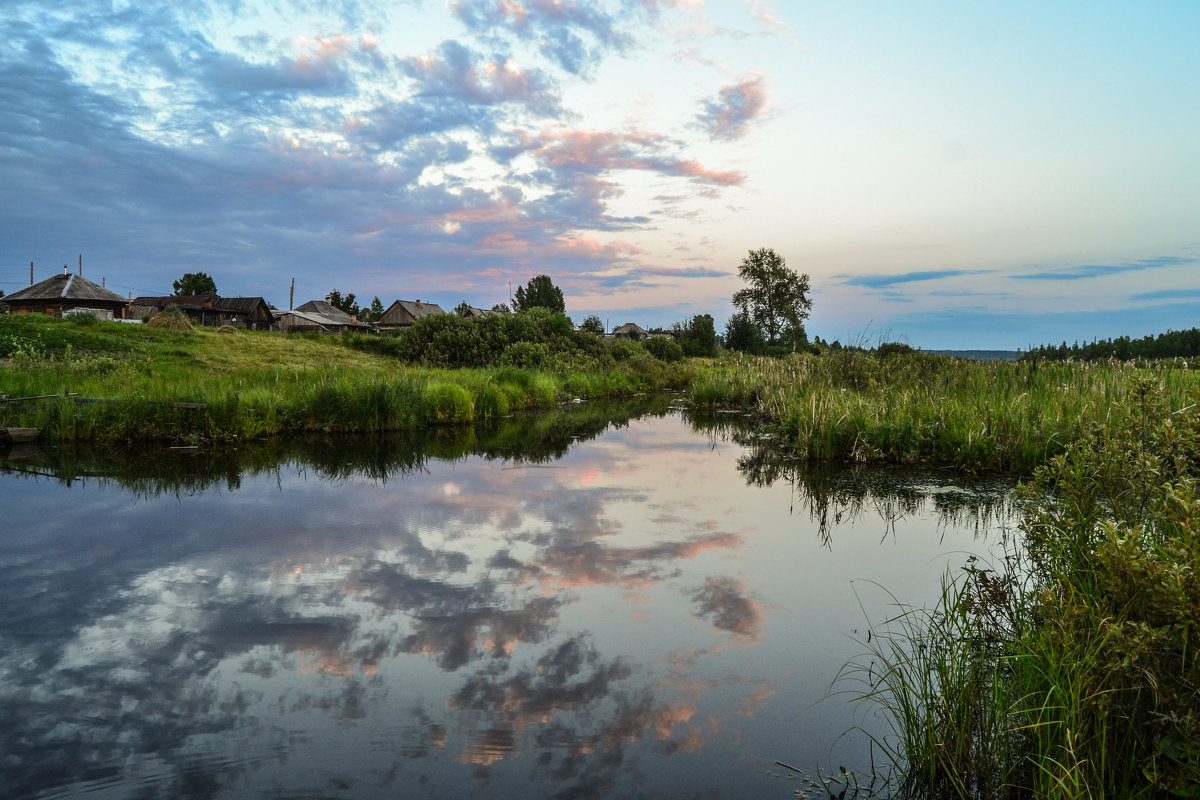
pixel 75 288
pixel 310 317
pixel 326 310
pixel 628 328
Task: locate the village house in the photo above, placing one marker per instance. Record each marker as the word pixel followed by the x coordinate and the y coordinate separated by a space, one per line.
pixel 318 316
pixel 251 313
pixel 404 313
pixel 631 330
pixel 65 294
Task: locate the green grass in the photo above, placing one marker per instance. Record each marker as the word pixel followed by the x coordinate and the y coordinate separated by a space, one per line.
pixel 258 384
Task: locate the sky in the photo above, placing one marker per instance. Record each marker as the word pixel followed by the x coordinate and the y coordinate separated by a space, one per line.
pixel 950 175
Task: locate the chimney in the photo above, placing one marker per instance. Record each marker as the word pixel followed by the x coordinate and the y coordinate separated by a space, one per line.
pixel 418 303
pixel 64 269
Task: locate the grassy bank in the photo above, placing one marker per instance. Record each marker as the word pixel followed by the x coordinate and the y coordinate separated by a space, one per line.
pixel 1072 668
pixel 256 384
pixel 932 410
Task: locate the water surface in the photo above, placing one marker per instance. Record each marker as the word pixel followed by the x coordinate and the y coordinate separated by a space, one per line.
pixel 567 608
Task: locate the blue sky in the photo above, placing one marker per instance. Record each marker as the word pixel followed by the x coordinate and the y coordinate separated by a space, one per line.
pixel 950 175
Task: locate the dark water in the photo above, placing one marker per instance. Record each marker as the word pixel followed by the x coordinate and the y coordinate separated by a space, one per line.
pixel 573 607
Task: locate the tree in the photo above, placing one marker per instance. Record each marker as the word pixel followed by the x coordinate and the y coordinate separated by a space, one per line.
pixel 540 293
pixel 346 304
pixel 775 299
pixel 593 324
pixel 742 334
pixel 502 308
pixel 194 284
pixel 697 337
pixel 376 310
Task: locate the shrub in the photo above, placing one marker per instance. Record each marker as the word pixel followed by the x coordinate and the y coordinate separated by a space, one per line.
pixel 526 355
pixel 664 348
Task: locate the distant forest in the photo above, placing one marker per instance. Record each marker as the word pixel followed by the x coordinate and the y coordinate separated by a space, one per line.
pixel 1172 344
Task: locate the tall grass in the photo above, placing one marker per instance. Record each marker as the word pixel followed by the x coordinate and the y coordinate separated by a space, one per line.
pixel 1073 671
pixel 916 408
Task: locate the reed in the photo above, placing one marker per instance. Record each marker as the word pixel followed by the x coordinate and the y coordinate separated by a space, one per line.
pixel 932 410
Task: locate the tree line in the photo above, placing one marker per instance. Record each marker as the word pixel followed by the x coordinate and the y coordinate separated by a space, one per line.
pixel 769 320
pixel 1172 344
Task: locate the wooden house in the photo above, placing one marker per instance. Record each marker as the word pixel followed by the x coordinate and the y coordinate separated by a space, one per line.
pixel 65 294
pixel 317 316
pixel 404 313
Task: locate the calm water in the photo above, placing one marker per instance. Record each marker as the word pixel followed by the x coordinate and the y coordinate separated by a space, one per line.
pixel 644 609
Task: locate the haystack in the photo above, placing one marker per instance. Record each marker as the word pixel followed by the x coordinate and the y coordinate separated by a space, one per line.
pixel 171 319
pixel 227 329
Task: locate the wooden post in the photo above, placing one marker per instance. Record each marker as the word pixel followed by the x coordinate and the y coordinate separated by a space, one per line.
pixel 31 273
pixel 292 294
pixel 81 265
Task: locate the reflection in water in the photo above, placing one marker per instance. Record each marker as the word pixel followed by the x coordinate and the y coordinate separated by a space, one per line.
pixel 625 608
pixel 834 494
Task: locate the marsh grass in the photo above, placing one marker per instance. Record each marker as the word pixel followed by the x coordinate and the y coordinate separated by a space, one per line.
pixel 1071 671
pixel 933 410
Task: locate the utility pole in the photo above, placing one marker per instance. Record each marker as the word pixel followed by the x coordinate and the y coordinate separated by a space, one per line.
pixel 31 273
pixel 81 265
pixel 292 294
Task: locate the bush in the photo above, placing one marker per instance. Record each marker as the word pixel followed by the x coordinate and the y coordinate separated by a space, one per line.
pixel 664 348
pixel 525 355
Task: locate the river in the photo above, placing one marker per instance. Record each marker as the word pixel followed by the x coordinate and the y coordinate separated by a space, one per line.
pixel 603 603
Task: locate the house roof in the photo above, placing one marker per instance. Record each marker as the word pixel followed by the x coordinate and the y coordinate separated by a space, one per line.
pixel 193 301
pixel 75 288
pixel 326 310
pixel 308 316
pixel 342 320
pixel 211 302
pixel 242 305
pixel 630 327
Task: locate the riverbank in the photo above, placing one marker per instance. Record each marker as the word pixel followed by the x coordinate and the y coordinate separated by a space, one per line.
pixel 205 385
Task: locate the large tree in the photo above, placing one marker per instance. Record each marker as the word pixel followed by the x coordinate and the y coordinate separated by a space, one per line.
pixel 540 293
pixel 194 284
pixel 775 298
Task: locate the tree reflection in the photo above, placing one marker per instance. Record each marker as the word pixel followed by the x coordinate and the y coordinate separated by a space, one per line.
pixel 837 494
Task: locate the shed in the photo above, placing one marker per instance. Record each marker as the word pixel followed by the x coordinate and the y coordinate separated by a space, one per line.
pixel 64 293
